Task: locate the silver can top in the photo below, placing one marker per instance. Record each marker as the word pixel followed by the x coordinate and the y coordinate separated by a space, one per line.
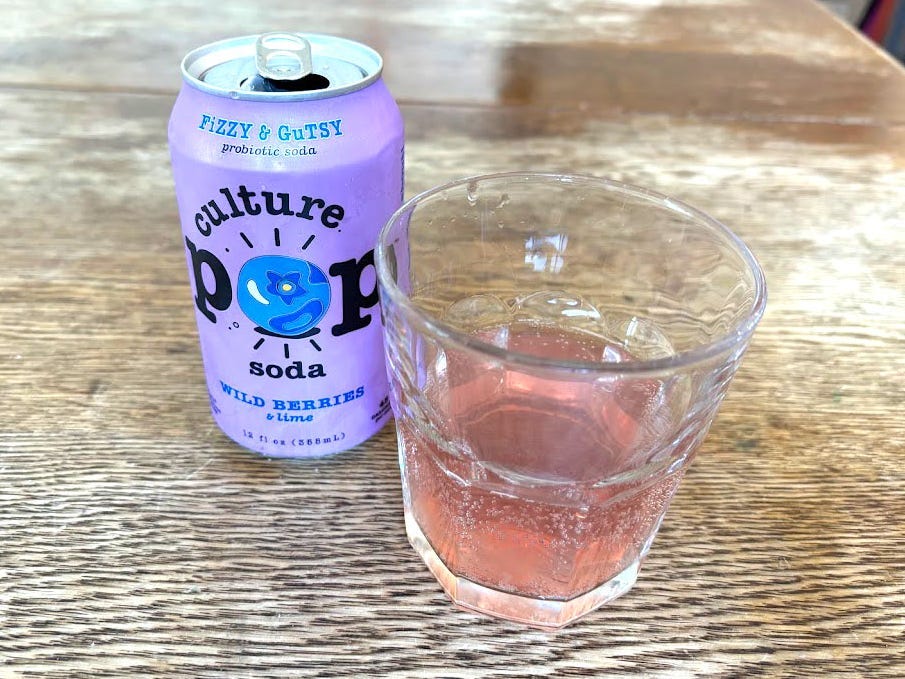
pixel 282 67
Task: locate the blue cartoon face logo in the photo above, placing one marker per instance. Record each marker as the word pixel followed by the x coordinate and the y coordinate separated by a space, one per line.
pixel 283 295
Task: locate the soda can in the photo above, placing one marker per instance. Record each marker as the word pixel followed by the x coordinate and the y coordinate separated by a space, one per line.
pixel 287 157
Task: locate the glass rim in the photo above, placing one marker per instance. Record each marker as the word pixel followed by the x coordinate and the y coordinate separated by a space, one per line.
pixel 741 332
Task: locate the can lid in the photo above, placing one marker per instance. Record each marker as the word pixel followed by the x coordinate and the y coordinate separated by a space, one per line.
pixel 282 67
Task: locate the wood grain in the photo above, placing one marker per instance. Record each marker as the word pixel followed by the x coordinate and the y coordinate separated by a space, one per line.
pixel 738 58
pixel 136 540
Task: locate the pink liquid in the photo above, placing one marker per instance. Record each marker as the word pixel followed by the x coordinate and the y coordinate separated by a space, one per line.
pixel 504 484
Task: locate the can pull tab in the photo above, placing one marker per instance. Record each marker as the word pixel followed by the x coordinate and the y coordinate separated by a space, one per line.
pixel 283 64
pixel 283 56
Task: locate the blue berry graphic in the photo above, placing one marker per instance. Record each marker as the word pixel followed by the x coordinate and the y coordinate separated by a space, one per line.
pixel 284 296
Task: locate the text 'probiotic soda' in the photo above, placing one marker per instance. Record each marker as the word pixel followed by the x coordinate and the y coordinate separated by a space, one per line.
pixel 287 154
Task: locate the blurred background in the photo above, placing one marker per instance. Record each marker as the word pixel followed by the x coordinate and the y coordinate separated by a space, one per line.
pixel 883 21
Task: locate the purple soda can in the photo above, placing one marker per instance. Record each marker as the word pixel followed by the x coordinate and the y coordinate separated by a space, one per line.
pixel 287 153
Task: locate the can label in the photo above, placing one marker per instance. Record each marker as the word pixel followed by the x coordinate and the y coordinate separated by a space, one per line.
pixel 280 205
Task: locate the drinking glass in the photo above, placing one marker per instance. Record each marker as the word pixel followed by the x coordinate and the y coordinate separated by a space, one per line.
pixel 557 348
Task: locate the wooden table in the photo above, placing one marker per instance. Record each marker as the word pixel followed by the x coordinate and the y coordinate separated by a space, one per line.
pixel 135 540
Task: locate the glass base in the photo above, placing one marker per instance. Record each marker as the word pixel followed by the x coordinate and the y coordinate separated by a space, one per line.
pixel 543 613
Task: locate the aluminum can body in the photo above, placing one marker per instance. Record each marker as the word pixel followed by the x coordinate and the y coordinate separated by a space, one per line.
pixel 280 198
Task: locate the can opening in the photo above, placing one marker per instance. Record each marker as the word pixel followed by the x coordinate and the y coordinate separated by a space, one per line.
pixel 312 81
pixel 283 64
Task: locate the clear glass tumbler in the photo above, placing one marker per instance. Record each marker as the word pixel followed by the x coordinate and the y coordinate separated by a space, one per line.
pixel 557 348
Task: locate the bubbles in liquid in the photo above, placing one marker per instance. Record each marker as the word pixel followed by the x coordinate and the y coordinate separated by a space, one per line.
pixel 627 337
pixel 471 193
pixel 504 201
pixel 477 312
pixel 555 305
pixel 640 336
